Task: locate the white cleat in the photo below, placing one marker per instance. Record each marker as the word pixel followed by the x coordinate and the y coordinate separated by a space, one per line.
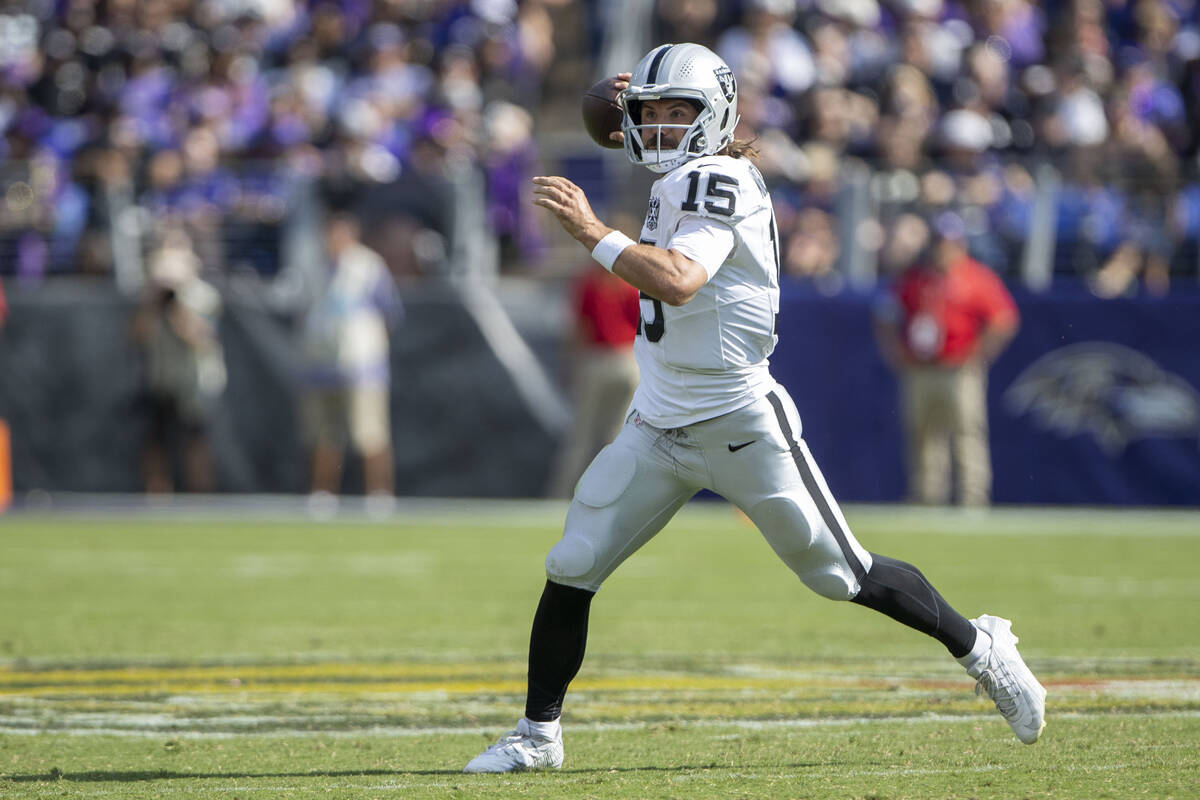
pixel 1002 675
pixel 519 750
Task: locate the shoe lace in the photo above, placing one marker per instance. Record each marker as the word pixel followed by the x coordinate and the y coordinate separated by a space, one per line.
pixel 512 737
pixel 998 682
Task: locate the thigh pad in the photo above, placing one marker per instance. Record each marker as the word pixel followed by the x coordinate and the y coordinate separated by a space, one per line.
pixel 623 499
pixel 804 542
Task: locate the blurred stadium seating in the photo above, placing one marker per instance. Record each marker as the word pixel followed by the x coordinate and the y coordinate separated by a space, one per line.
pixel 1065 133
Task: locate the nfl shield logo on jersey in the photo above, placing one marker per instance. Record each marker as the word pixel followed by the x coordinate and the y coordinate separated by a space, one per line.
pixel 652 214
pixel 726 80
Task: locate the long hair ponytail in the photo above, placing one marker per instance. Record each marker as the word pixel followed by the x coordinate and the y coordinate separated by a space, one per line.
pixel 741 148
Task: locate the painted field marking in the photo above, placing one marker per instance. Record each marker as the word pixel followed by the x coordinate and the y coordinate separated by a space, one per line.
pixel 428 513
pixel 725 723
pixel 461 678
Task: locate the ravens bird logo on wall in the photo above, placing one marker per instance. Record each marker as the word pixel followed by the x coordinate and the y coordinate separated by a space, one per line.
pixel 1113 392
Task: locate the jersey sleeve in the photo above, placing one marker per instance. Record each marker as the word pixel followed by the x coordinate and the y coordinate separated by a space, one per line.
pixel 704 241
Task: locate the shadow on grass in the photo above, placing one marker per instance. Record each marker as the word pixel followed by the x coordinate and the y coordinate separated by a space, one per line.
pixel 134 776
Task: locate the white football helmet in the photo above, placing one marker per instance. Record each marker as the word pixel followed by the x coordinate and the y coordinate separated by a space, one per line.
pixel 691 72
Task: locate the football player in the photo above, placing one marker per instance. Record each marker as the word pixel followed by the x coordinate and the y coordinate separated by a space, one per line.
pixel 707 413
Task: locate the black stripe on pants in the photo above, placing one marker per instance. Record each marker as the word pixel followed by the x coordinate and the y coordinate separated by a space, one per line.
pixel 814 489
pixel 892 587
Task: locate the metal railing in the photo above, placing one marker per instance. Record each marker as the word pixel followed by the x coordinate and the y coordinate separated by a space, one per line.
pixel 50 226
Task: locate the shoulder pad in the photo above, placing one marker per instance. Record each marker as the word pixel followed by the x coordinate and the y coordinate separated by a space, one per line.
pixel 719 187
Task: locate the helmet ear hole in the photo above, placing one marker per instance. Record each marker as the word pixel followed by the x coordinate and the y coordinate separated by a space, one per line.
pixel 725 119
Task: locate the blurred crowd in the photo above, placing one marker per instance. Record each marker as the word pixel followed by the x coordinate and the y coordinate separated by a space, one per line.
pixel 201 113
pixel 954 104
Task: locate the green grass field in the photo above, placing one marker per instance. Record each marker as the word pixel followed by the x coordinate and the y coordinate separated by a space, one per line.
pixel 230 655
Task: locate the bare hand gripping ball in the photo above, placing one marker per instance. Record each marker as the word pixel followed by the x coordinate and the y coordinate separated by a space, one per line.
pixel 602 113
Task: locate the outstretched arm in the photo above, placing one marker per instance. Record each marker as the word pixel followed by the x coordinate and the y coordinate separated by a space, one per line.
pixel 665 275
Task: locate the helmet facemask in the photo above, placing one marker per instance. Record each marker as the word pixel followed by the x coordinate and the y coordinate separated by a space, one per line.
pixel 688 72
pixel 648 151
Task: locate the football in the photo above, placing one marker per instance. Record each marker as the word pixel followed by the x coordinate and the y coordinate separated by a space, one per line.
pixel 602 113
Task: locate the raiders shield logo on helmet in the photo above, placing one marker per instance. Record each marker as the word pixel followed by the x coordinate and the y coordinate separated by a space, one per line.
pixel 692 72
pixel 726 80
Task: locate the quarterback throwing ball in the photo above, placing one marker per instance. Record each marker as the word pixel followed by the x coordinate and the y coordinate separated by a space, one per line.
pixel 707 413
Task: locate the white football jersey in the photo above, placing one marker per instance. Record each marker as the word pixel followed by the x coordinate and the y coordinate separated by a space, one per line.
pixel 709 356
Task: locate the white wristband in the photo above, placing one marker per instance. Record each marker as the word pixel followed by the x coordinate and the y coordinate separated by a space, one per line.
pixel 611 246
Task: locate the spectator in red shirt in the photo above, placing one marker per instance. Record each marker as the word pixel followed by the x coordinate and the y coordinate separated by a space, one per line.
pixel 604 373
pixel 947 318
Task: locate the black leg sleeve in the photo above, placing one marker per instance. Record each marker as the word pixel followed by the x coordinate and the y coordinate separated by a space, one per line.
pixel 556 647
pixel 900 590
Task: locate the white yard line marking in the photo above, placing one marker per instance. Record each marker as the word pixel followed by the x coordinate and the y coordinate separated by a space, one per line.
pixel 385 731
pixel 520 513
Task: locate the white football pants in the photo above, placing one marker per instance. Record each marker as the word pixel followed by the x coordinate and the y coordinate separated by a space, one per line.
pixel 754 457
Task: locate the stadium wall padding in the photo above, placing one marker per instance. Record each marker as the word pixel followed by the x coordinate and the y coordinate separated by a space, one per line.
pixel 72 382
pixel 1095 402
